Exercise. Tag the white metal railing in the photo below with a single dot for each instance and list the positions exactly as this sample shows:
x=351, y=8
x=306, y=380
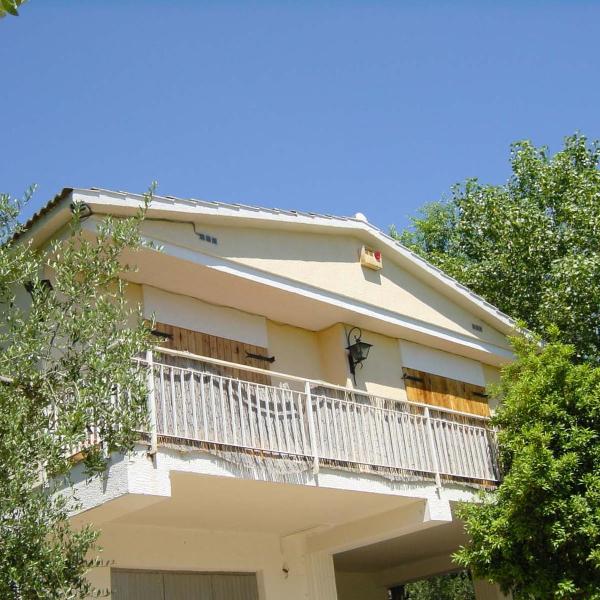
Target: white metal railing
x=192, y=400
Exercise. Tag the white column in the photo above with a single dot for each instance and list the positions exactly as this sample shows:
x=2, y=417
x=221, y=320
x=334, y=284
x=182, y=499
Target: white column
x=321, y=576
x=309, y=575
x=488, y=591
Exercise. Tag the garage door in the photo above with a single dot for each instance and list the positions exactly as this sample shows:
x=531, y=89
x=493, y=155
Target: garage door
x=152, y=585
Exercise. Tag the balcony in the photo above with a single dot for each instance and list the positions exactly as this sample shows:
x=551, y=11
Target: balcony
x=260, y=415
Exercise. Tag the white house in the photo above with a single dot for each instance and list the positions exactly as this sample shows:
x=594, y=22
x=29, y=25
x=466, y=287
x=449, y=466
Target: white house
x=271, y=471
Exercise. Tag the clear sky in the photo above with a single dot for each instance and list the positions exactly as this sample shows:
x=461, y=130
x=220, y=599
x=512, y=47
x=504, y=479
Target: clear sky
x=334, y=107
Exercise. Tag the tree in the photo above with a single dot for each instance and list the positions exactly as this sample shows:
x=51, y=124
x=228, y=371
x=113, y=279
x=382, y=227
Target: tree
x=531, y=247
x=69, y=383
x=539, y=533
x=10, y=7
x=451, y=586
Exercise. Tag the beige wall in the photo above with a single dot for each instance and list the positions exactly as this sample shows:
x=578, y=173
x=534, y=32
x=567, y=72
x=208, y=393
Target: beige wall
x=328, y=262
x=381, y=373
x=322, y=355
x=359, y=586
x=296, y=350
x=160, y=548
x=316, y=355
x=194, y=314
x=332, y=344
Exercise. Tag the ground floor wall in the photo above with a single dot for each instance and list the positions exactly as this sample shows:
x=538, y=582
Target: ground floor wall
x=283, y=568
x=171, y=549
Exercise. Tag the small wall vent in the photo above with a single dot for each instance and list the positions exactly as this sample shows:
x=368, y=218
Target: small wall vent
x=205, y=237
x=477, y=327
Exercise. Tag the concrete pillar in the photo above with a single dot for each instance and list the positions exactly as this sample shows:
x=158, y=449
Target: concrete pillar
x=488, y=591
x=310, y=575
x=321, y=576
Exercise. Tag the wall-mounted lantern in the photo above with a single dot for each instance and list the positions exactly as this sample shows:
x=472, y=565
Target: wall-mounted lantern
x=357, y=351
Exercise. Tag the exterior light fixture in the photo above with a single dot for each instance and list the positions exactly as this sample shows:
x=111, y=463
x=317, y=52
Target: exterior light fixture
x=357, y=351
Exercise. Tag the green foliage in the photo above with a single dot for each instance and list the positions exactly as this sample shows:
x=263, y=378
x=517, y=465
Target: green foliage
x=530, y=247
x=453, y=586
x=539, y=533
x=10, y=7
x=66, y=356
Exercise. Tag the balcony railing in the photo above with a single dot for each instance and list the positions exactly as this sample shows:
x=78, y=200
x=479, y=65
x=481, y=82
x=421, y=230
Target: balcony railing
x=195, y=399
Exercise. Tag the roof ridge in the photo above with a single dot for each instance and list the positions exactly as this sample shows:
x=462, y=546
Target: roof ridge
x=226, y=204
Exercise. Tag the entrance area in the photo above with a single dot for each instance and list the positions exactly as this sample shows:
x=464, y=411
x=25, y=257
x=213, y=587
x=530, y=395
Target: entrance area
x=168, y=585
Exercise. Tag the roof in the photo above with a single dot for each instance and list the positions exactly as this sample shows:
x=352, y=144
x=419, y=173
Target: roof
x=178, y=206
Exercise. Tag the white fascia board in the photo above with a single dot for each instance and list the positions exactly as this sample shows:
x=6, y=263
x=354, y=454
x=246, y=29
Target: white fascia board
x=180, y=209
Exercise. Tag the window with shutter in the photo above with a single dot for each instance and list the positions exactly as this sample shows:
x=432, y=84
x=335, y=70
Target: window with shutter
x=446, y=393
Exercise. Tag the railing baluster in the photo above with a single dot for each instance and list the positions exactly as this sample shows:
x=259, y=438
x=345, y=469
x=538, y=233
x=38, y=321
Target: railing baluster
x=285, y=420
x=261, y=424
x=214, y=435
x=305, y=448
x=250, y=416
x=151, y=402
x=432, y=449
x=204, y=407
x=163, y=399
x=223, y=412
x=315, y=449
x=359, y=434
x=173, y=400
x=232, y=410
x=278, y=437
x=193, y=401
x=183, y=401
x=241, y=409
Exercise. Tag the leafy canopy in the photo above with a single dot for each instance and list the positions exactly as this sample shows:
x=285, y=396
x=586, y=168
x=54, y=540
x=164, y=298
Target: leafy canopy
x=69, y=384
x=530, y=247
x=451, y=586
x=10, y=7
x=539, y=533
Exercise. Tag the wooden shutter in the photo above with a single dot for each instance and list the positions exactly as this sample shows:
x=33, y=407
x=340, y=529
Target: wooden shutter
x=444, y=392
x=213, y=346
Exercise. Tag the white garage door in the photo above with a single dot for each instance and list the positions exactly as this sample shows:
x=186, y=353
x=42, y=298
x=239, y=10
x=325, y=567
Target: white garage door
x=152, y=585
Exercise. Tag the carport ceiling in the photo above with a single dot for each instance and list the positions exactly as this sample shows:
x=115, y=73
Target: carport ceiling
x=435, y=541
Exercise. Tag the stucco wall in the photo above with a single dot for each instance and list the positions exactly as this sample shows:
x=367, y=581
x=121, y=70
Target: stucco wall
x=314, y=355
x=191, y=313
x=359, y=586
x=423, y=358
x=296, y=350
x=328, y=262
x=174, y=549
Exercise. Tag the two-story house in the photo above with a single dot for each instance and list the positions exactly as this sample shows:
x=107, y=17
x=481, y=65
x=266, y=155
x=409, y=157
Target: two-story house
x=317, y=409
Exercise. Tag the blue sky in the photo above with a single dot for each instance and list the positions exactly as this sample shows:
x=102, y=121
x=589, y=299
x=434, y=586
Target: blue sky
x=333, y=107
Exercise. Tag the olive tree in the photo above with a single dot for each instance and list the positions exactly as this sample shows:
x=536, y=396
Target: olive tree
x=69, y=385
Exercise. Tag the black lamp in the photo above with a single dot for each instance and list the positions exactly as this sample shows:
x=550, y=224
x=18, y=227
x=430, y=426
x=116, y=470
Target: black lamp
x=358, y=351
